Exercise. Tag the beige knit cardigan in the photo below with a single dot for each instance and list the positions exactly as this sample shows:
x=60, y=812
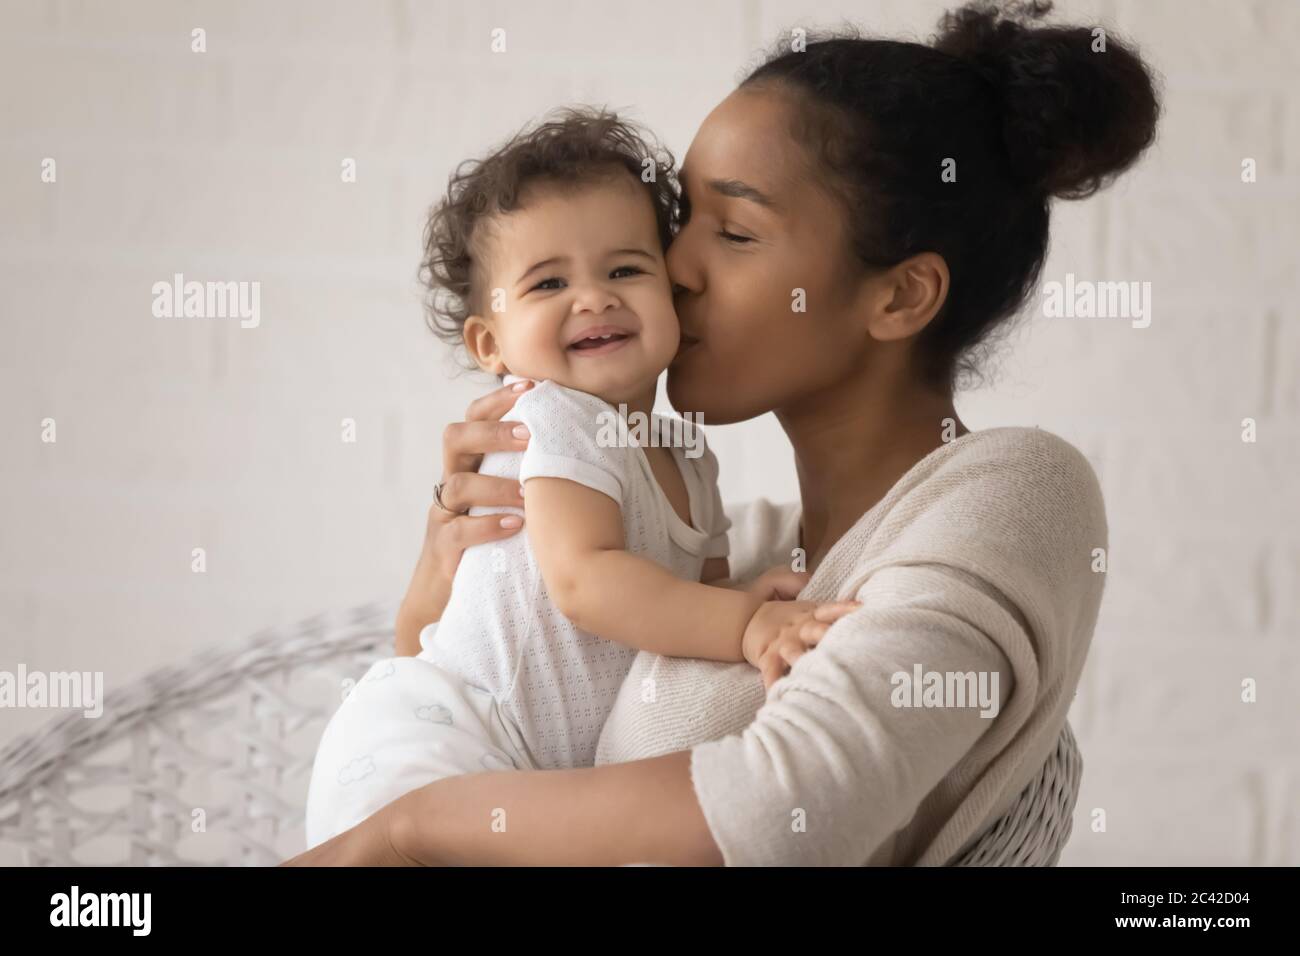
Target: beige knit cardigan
x=984, y=558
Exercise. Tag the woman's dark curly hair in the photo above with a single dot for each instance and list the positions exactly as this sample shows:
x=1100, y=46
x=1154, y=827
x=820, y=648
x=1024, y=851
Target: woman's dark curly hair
x=1027, y=112
x=572, y=147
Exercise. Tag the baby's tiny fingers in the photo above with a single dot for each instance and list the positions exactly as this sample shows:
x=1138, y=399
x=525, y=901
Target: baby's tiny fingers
x=791, y=651
x=833, y=612
x=771, y=667
x=813, y=631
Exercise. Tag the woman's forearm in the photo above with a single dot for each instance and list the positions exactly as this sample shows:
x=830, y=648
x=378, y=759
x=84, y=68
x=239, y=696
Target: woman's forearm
x=425, y=599
x=644, y=811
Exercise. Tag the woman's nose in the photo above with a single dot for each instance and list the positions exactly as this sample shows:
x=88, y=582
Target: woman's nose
x=680, y=267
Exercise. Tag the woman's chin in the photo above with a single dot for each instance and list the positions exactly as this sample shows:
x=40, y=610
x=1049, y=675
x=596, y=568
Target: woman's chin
x=692, y=389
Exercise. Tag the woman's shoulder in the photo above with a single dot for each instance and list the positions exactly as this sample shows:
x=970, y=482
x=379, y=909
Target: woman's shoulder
x=1011, y=453
x=1027, y=464
x=1011, y=496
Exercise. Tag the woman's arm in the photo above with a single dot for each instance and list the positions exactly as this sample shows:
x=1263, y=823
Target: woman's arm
x=829, y=768
x=446, y=536
x=639, y=812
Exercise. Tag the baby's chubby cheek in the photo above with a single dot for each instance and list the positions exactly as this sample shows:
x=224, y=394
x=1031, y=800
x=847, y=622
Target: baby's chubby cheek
x=531, y=349
x=663, y=331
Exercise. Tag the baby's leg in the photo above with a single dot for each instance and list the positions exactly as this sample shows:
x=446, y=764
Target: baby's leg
x=407, y=723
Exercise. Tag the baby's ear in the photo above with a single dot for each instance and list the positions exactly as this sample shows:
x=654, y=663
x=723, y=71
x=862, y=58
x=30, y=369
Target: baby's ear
x=482, y=346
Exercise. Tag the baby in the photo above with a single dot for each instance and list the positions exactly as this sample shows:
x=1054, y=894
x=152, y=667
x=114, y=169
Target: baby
x=549, y=258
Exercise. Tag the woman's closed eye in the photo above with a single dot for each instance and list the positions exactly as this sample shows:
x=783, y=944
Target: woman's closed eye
x=684, y=216
x=734, y=238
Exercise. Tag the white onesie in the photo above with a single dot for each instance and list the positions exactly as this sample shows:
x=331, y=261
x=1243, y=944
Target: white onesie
x=504, y=679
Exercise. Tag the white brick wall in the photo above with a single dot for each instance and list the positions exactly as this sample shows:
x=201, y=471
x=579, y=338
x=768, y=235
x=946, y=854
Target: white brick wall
x=175, y=434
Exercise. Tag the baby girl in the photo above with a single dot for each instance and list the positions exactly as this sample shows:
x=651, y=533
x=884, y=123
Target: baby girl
x=547, y=261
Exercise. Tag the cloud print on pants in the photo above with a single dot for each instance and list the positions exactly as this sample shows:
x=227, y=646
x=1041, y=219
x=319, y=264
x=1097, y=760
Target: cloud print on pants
x=434, y=713
x=356, y=769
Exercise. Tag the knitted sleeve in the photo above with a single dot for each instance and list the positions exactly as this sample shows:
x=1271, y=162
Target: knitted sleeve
x=831, y=766
x=978, y=603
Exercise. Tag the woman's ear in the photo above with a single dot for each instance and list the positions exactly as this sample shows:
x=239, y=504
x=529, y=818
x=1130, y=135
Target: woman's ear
x=908, y=296
x=482, y=346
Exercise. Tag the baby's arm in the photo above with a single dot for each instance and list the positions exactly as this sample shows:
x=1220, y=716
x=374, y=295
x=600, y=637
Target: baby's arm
x=577, y=535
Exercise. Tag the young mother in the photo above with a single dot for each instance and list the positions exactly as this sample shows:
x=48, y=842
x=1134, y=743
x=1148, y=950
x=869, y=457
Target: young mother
x=904, y=189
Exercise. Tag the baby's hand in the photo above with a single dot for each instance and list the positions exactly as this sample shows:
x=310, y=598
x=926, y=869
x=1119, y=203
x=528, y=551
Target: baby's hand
x=778, y=584
x=781, y=631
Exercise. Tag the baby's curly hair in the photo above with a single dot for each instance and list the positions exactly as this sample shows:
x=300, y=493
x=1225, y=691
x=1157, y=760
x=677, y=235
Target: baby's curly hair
x=572, y=147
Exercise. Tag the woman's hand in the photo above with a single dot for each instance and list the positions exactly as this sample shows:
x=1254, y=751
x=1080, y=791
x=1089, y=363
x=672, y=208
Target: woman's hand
x=780, y=632
x=446, y=536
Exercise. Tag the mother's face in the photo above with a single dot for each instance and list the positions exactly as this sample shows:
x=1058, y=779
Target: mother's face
x=756, y=231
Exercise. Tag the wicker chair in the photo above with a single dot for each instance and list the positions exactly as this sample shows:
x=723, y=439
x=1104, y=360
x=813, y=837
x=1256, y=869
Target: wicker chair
x=208, y=763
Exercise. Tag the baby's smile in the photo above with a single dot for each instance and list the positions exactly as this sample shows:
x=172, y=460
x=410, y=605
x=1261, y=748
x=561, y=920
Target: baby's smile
x=600, y=340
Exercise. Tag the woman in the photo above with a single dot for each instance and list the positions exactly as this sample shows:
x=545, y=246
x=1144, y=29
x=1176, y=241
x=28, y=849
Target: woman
x=900, y=192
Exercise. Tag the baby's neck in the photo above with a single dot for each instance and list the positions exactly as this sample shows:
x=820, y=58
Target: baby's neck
x=643, y=401
x=639, y=399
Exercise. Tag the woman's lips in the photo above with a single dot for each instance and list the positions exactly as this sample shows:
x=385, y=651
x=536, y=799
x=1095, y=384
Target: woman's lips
x=684, y=343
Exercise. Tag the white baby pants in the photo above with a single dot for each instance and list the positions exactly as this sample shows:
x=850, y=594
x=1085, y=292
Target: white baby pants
x=406, y=723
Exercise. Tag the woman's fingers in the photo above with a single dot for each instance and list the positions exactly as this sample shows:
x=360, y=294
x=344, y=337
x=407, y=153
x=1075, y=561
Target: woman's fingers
x=494, y=404
x=464, y=489
x=465, y=532
x=465, y=443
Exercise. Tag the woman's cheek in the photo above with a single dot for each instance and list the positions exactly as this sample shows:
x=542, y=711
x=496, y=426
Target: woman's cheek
x=759, y=319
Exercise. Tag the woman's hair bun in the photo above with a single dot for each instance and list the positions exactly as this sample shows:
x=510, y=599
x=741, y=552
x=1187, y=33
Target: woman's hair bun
x=1078, y=105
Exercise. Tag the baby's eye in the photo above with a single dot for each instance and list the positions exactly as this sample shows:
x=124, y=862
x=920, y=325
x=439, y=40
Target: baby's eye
x=543, y=285
x=632, y=269
x=733, y=238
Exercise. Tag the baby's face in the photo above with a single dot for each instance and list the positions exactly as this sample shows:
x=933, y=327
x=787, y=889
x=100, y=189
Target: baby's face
x=584, y=294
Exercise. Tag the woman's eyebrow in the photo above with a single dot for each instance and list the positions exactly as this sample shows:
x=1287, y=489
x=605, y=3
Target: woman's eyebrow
x=736, y=189
x=740, y=190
